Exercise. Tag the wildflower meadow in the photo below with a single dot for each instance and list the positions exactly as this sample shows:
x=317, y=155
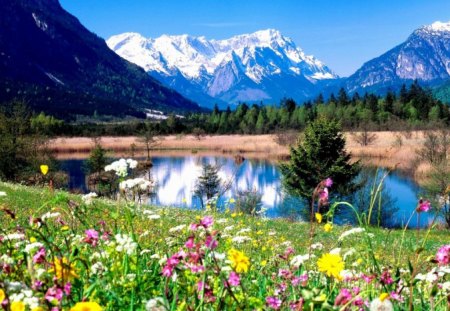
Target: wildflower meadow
x=60, y=251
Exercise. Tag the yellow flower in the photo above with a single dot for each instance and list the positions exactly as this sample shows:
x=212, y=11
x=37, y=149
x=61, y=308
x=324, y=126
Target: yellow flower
x=319, y=217
x=17, y=306
x=44, y=169
x=62, y=269
x=37, y=309
x=2, y=295
x=184, y=200
x=232, y=200
x=331, y=265
x=86, y=306
x=234, y=215
x=239, y=262
x=65, y=228
x=263, y=263
x=32, y=239
x=328, y=227
x=383, y=297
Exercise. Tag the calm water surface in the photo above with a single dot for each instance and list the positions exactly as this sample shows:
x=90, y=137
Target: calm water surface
x=176, y=178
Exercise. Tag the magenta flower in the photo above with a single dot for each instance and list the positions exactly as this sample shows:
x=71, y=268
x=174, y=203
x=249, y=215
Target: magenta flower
x=207, y=221
x=67, y=288
x=39, y=257
x=273, y=302
x=343, y=298
x=234, y=279
x=323, y=195
x=167, y=271
x=210, y=242
x=91, y=237
x=386, y=278
x=328, y=182
x=190, y=242
x=424, y=206
x=54, y=293
x=443, y=255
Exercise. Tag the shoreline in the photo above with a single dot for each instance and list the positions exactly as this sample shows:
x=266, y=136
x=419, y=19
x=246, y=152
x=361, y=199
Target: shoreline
x=390, y=149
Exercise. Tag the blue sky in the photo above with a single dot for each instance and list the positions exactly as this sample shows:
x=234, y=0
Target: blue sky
x=342, y=33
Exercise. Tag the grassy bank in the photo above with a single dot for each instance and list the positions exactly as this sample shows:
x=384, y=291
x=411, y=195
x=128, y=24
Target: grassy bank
x=120, y=255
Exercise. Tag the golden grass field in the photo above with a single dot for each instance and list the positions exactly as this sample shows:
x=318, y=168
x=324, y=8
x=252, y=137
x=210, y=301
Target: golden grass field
x=385, y=151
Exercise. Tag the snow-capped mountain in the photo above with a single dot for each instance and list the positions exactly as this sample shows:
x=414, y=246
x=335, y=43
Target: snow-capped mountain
x=424, y=56
x=262, y=66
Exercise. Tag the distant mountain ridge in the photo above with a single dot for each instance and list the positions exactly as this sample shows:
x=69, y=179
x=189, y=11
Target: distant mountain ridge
x=48, y=58
x=262, y=66
x=424, y=56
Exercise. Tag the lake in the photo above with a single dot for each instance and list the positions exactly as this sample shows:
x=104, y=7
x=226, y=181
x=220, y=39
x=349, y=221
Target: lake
x=176, y=178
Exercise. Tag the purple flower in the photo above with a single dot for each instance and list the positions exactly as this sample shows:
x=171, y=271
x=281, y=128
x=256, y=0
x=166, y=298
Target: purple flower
x=39, y=257
x=443, y=255
x=54, y=293
x=328, y=182
x=207, y=221
x=67, y=288
x=273, y=302
x=190, y=242
x=210, y=242
x=91, y=237
x=386, y=278
x=343, y=298
x=323, y=195
x=234, y=279
x=424, y=206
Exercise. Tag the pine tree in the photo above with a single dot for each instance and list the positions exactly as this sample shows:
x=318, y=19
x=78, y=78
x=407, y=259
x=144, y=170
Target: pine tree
x=321, y=154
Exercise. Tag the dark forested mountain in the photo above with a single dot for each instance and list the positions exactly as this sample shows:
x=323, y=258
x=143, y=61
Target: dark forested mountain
x=50, y=60
x=424, y=56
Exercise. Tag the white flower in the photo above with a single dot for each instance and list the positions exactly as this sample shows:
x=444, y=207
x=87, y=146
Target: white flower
x=32, y=246
x=241, y=239
x=229, y=228
x=121, y=166
x=14, y=236
x=2, y=194
x=446, y=287
x=378, y=305
x=298, y=260
x=132, y=163
x=6, y=259
x=98, y=268
x=272, y=232
x=244, y=231
x=135, y=184
x=350, y=232
x=348, y=253
x=87, y=198
x=335, y=251
x=50, y=215
x=153, y=217
x=177, y=228
x=221, y=220
x=317, y=246
x=125, y=244
x=155, y=304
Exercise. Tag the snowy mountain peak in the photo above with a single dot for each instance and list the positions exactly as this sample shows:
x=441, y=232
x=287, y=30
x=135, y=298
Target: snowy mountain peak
x=436, y=28
x=217, y=66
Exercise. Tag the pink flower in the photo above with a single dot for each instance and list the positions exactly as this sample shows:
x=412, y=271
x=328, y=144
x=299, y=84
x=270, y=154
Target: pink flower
x=343, y=298
x=386, y=278
x=210, y=242
x=39, y=257
x=91, y=237
x=207, y=221
x=190, y=242
x=443, y=255
x=273, y=302
x=67, y=288
x=234, y=279
x=54, y=293
x=323, y=195
x=328, y=182
x=167, y=271
x=424, y=206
